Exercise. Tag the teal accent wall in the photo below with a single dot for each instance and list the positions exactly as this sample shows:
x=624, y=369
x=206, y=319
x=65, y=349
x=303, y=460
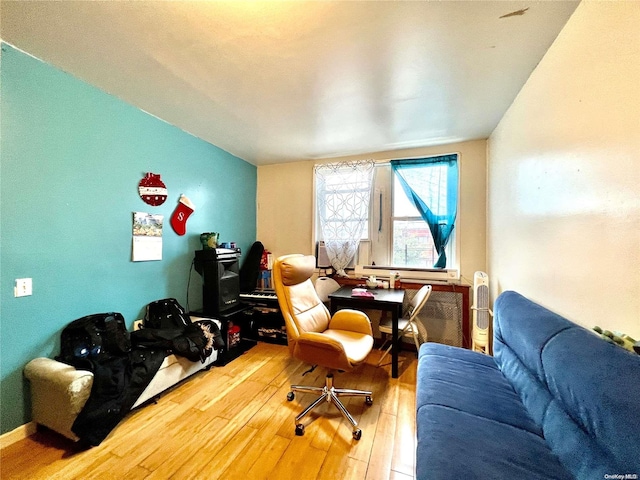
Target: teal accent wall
x=71, y=159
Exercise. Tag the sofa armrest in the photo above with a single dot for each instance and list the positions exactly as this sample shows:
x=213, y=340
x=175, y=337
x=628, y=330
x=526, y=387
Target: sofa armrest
x=58, y=393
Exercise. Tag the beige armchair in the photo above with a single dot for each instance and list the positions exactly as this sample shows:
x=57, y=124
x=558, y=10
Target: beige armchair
x=341, y=342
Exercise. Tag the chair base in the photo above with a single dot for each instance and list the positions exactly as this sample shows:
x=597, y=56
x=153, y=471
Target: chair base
x=329, y=394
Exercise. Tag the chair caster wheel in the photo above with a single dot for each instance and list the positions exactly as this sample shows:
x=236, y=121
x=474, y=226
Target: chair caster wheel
x=357, y=434
x=300, y=430
x=290, y=396
x=368, y=400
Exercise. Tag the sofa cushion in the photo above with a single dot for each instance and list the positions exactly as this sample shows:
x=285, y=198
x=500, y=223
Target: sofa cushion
x=458, y=444
x=469, y=382
x=525, y=327
x=582, y=391
x=596, y=391
x=471, y=422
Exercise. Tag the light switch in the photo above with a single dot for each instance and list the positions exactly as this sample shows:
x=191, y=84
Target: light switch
x=23, y=288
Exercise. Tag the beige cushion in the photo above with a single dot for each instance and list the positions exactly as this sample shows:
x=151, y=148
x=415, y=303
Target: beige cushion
x=58, y=393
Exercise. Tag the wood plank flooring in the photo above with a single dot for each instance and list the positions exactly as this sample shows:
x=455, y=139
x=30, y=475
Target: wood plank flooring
x=234, y=422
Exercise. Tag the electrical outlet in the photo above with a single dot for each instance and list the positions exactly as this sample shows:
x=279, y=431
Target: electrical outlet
x=23, y=288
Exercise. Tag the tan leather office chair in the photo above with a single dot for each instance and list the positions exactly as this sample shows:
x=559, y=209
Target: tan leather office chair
x=408, y=325
x=341, y=342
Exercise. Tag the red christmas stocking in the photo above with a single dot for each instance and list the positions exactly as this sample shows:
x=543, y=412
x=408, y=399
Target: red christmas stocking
x=181, y=214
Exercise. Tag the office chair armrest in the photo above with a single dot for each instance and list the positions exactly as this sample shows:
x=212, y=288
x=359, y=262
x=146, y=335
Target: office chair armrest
x=351, y=320
x=312, y=338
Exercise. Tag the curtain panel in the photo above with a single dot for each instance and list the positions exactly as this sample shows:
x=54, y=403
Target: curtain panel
x=431, y=184
x=343, y=192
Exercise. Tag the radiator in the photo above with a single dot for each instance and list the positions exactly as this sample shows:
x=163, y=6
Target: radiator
x=441, y=318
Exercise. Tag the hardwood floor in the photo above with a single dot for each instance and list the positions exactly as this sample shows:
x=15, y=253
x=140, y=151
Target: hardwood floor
x=234, y=422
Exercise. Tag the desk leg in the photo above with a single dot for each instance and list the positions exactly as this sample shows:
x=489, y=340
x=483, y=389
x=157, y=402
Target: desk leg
x=394, y=343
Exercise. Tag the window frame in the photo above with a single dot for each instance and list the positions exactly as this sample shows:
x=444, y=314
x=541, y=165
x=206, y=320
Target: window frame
x=378, y=217
x=452, y=249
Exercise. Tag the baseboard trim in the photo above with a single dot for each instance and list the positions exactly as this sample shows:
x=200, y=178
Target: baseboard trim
x=20, y=433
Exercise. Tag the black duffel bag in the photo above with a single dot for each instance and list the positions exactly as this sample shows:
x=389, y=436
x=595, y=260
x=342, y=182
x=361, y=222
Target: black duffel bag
x=166, y=314
x=86, y=339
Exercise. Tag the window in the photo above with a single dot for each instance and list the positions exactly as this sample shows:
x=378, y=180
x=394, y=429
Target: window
x=343, y=191
x=412, y=244
x=412, y=214
x=430, y=186
x=335, y=197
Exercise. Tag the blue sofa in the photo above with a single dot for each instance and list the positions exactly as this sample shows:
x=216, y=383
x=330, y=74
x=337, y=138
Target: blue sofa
x=554, y=402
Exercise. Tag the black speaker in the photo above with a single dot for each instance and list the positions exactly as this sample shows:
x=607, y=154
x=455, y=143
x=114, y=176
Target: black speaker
x=220, y=279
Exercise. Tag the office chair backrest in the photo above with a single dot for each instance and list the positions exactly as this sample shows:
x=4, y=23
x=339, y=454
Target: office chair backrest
x=302, y=309
x=419, y=300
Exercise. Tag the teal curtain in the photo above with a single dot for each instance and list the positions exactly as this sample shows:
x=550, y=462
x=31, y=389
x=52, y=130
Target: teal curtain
x=431, y=184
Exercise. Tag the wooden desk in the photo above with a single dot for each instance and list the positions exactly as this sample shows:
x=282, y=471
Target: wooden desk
x=462, y=289
x=385, y=300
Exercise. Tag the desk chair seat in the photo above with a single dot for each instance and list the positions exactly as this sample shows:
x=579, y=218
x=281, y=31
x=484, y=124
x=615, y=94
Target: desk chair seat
x=409, y=326
x=339, y=343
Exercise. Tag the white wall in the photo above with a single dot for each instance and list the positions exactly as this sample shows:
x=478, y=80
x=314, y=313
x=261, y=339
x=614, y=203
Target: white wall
x=285, y=202
x=564, y=175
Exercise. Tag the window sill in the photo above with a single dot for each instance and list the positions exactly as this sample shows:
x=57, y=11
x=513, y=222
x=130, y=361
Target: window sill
x=426, y=275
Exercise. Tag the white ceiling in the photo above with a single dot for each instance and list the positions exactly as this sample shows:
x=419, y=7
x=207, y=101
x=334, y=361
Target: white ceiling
x=278, y=81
